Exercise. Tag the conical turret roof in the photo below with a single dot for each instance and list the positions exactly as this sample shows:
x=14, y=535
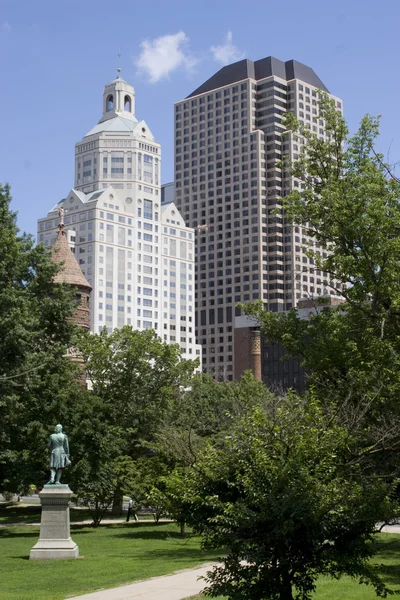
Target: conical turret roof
x=70, y=271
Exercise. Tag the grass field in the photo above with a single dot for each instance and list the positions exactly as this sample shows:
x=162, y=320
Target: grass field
x=122, y=553
x=113, y=555
x=347, y=589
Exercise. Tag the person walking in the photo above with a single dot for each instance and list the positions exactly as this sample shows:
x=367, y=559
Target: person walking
x=131, y=511
x=130, y=504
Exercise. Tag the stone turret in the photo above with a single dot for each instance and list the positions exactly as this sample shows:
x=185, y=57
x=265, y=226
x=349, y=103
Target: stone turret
x=71, y=274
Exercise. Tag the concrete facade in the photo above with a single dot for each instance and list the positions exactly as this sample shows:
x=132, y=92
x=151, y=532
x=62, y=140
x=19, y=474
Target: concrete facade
x=229, y=188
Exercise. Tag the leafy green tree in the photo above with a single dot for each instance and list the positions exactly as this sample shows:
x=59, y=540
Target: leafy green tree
x=135, y=376
x=203, y=414
x=285, y=501
x=146, y=485
x=350, y=205
x=36, y=379
x=96, y=450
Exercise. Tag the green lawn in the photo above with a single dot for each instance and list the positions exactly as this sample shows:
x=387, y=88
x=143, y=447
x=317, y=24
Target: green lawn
x=113, y=555
x=121, y=553
x=348, y=589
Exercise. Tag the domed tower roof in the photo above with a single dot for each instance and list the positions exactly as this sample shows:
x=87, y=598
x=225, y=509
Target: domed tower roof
x=118, y=100
x=118, y=108
x=70, y=271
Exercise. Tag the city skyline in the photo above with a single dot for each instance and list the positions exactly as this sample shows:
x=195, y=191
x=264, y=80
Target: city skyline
x=62, y=63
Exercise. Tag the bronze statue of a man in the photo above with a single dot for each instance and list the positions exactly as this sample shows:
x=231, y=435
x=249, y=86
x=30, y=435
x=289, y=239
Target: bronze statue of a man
x=59, y=458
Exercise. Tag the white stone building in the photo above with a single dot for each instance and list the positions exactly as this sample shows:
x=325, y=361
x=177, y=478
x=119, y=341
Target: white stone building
x=137, y=254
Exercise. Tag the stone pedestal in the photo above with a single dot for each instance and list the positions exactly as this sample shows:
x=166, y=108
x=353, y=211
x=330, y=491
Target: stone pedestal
x=55, y=540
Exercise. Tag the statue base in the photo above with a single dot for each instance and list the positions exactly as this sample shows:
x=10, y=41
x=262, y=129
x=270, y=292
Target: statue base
x=55, y=540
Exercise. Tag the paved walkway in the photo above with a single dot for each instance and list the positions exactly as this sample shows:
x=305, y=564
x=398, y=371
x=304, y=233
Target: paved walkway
x=170, y=587
x=90, y=521
x=391, y=528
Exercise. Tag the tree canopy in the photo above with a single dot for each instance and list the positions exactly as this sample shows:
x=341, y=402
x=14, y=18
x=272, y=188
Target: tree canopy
x=285, y=499
x=349, y=203
x=36, y=378
x=135, y=378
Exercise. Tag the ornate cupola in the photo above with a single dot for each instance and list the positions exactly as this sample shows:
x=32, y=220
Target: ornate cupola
x=118, y=100
x=71, y=274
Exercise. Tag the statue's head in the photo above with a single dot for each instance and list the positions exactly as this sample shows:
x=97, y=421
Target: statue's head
x=58, y=428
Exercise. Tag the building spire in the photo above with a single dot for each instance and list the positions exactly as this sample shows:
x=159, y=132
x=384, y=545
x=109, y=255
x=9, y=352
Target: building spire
x=119, y=67
x=61, y=212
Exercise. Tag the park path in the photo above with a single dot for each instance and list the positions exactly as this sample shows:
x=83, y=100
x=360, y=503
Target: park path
x=90, y=521
x=178, y=586
x=391, y=529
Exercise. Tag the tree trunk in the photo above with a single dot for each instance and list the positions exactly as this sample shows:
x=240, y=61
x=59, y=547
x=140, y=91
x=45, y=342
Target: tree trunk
x=286, y=592
x=117, y=501
x=96, y=514
x=182, y=526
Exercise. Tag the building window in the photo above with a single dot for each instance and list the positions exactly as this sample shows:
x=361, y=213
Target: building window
x=148, y=209
x=127, y=104
x=110, y=102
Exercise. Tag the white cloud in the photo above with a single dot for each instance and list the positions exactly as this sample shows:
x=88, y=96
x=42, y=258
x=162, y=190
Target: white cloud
x=227, y=52
x=161, y=56
x=6, y=27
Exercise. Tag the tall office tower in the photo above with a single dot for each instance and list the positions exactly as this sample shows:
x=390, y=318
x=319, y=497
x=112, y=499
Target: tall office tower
x=137, y=255
x=229, y=187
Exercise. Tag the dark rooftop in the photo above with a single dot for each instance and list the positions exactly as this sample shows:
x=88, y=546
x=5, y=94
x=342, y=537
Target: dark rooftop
x=260, y=69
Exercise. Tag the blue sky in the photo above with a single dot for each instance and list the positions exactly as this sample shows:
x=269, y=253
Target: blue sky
x=56, y=56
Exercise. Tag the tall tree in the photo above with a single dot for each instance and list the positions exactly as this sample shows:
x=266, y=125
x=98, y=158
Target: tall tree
x=349, y=202
x=284, y=500
x=203, y=414
x=136, y=377
x=35, y=332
